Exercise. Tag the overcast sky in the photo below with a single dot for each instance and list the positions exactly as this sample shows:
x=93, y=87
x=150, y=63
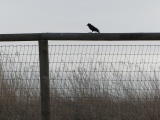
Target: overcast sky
x=27, y=16
x=34, y=16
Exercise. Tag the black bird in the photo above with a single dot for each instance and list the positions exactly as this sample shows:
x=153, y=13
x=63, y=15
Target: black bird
x=91, y=27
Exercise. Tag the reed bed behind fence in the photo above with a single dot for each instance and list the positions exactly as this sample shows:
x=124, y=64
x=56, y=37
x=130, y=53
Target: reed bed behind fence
x=87, y=82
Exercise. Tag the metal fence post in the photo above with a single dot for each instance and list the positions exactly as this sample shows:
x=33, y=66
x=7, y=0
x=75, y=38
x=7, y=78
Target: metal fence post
x=44, y=79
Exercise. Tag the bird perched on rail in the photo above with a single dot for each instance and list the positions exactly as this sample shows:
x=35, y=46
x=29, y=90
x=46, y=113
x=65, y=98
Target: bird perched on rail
x=91, y=27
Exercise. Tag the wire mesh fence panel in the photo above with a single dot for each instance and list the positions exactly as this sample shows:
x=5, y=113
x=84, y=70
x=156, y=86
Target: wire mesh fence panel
x=87, y=82
x=19, y=83
x=105, y=82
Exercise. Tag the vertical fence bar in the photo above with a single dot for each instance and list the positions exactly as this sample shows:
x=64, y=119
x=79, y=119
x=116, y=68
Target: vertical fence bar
x=44, y=79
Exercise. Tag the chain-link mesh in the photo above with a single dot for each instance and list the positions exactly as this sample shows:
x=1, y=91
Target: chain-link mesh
x=87, y=82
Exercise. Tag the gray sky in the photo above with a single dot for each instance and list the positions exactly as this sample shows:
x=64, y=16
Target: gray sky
x=34, y=16
x=27, y=16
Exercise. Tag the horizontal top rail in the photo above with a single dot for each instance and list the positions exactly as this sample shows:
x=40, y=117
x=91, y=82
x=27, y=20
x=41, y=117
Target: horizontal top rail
x=80, y=36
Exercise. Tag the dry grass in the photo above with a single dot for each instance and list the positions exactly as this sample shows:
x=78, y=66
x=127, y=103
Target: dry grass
x=82, y=96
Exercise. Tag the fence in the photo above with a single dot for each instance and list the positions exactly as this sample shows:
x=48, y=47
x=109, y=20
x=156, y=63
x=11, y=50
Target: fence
x=79, y=82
